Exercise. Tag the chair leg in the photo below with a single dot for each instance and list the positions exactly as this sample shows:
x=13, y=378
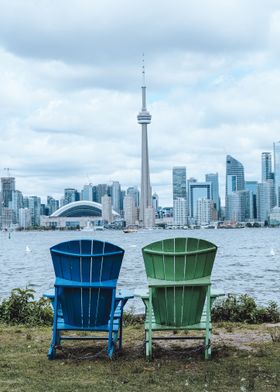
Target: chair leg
x=120, y=334
x=207, y=344
x=148, y=345
x=54, y=342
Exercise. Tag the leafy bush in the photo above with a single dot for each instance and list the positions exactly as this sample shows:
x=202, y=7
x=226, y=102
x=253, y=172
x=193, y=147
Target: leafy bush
x=22, y=308
x=243, y=308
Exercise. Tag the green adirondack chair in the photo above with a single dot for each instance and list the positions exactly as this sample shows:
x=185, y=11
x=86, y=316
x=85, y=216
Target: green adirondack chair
x=179, y=298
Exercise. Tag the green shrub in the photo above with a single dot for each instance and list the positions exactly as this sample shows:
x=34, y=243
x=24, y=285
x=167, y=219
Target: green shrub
x=243, y=308
x=22, y=308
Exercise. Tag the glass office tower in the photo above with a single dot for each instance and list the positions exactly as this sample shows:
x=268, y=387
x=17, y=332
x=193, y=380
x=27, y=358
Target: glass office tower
x=235, y=181
x=179, y=181
x=276, y=150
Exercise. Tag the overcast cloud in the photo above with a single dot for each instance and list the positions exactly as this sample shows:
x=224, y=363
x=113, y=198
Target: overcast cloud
x=70, y=77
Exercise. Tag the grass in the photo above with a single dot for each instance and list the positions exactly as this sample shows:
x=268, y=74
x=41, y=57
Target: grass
x=24, y=365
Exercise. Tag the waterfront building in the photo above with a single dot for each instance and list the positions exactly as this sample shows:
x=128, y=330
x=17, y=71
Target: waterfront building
x=274, y=216
x=15, y=204
x=70, y=195
x=116, y=196
x=180, y=211
x=123, y=193
x=25, y=202
x=87, y=192
x=266, y=166
x=179, y=182
x=52, y=204
x=44, y=209
x=206, y=211
x=155, y=201
x=76, y=214
x=106, y=208
x=238, y=206
x=24, y=218
x=197, y=190
x=235, y=181
x=134, y=192
x=149, y=217
x=130, y=211
x=276, y=151
x=8, y=186
x=252, y=187
x=6, y=218
x=34, y=205
x=101, y=190
x=146, y=216
x=215, y=196
x=265, y=200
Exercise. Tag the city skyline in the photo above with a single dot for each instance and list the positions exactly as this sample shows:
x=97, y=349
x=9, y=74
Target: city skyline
x=206, y=177
x=68, y=106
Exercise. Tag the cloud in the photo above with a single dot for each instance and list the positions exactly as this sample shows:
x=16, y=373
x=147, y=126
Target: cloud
x=70, y=75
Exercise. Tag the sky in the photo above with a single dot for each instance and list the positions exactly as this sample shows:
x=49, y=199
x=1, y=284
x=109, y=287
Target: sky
x=70, y=77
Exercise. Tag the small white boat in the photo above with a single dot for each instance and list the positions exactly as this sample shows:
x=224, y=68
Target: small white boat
x=27, y=249
x=272, y=253
x=130, y=230
x=98, y=228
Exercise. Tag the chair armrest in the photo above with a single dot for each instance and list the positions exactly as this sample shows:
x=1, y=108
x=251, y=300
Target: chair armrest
x=124, y=294
x=141, y=293
x=214, y=296
x=50, y=296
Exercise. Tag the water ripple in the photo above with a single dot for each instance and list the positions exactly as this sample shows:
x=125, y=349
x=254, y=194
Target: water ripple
x=241, y=266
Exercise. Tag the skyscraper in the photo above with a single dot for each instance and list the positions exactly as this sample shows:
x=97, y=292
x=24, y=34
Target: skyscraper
x=180, y=210
x=276, y=150
x=265, y=200
x=107, y=208
x=179, y=182
x=133, y=191
x=130, y=212
x=234, y=181
x=197, y=190
x=146, y=210
x=238, y=206
x=35, y=209
x=205, y=211
x=214, y=179
x=7, y=189
x=252, y=187
x=70, y=195
x=266, y=166
x=116, y=196
x=86, y=192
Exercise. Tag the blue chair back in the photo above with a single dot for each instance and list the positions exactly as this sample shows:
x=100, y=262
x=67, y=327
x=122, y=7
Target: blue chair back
x=86, y=261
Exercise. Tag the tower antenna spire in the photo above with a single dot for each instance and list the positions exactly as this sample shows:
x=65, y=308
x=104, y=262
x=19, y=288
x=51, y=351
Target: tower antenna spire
x=143, y=70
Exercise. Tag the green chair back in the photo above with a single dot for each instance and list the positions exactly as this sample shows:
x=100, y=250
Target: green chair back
x=178, y=260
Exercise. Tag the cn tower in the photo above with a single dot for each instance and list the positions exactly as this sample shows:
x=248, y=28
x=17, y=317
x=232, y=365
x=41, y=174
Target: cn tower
x=146, y=216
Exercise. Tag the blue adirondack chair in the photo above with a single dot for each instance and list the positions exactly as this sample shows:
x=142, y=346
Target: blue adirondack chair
x=86, y=298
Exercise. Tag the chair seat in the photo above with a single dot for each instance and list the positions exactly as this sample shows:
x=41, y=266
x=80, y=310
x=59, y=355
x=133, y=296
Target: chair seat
x=100, y=328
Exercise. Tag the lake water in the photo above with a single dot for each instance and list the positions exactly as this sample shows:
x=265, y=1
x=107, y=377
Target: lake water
x=248, y=260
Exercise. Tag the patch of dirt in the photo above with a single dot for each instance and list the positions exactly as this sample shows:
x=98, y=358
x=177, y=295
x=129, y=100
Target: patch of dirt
x=241, y=339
